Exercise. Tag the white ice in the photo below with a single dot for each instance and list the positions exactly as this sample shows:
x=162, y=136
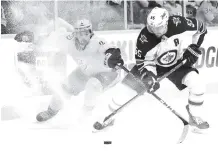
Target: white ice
x=144, y=124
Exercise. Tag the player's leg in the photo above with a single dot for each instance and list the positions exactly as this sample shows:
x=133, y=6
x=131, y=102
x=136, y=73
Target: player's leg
x=95, y=86
x=73, y=85
x=93, y=89
x=120, y=94
x=189, y=77
x=128, y=88
x=196, y=88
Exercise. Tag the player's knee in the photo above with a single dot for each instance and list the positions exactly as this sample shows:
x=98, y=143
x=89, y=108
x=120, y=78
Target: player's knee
x=120, y=97
x=94, y=84
x=196, y=94
x=196, y=88
x=93, y=89
x=70, y=90
x=196, y=84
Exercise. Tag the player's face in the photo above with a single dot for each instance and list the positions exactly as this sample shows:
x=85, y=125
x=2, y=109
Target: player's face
x=159, y=31
x=83, y=37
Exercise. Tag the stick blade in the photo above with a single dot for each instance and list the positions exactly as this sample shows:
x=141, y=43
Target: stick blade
x=184, y=133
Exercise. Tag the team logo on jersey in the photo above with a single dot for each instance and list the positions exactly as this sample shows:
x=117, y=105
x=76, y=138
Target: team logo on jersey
x=167, y=58
x=143, y=39
x=176, y=20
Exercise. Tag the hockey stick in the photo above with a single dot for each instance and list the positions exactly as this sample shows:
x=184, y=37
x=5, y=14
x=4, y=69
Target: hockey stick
x=100, y=126
x=186, y=124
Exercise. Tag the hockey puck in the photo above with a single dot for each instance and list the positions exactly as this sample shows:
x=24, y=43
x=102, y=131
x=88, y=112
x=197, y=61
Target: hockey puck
x=107, y=142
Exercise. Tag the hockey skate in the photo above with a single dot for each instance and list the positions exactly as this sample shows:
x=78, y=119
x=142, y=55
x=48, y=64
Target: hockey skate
x=46, y=115
x=196, y=122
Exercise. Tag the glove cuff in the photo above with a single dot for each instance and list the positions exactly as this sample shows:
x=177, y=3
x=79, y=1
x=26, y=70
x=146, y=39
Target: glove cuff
x=193, y=52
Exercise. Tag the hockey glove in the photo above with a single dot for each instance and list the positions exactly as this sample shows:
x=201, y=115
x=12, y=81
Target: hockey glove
x=113, y=57
x=191, y=54
x=150, y=80
x=26, y=36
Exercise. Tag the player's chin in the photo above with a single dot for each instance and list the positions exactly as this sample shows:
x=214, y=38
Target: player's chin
x=158, y=35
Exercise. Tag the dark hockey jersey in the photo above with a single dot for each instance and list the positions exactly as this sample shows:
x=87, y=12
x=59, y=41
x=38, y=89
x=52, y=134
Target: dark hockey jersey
x=167, y=50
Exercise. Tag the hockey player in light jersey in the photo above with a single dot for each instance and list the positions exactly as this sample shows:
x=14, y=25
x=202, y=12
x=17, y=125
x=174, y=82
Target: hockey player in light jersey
x=162, y=45
x=96, y=71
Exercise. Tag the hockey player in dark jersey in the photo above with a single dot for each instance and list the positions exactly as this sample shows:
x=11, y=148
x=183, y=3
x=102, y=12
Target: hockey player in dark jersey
x=161, y=45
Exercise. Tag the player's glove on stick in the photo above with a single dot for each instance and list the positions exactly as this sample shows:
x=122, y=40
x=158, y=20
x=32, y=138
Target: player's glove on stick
x=150, y=80
x=113, y=57
x=191, y=54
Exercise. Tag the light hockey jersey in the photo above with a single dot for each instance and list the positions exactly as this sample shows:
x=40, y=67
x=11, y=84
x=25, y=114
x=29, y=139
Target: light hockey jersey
x=167, y=50
x=91, y=59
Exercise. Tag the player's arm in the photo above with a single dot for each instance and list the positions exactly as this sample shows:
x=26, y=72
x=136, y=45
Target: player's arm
x=145, y=54
x=192, y=52
x=198, y=27
x=145, y=67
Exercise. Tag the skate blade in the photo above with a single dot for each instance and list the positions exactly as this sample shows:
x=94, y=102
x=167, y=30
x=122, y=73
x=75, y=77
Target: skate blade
x=196, y=130
x=105, y=129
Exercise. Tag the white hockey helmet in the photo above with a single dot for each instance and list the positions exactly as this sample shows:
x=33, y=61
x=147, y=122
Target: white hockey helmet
x=157, y=21
x=83, y=25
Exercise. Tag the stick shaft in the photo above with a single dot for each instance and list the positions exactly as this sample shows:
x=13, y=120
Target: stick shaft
x=136, y=96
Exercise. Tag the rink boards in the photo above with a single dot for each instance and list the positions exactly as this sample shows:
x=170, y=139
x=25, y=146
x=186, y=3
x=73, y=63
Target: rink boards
x=126, y=40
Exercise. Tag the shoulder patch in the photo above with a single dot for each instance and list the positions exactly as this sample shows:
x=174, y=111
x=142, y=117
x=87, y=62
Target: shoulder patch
x=143, y=38
x=189, y=22
x=176, y=21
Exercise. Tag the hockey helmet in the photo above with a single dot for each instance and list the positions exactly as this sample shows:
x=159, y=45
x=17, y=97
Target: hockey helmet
x=83, y=25
x=157, y=21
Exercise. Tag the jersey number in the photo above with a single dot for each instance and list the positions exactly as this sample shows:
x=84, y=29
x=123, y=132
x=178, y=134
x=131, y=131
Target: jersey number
x=138, y=53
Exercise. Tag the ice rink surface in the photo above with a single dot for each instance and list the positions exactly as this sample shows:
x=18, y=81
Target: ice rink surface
x=144, y=125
